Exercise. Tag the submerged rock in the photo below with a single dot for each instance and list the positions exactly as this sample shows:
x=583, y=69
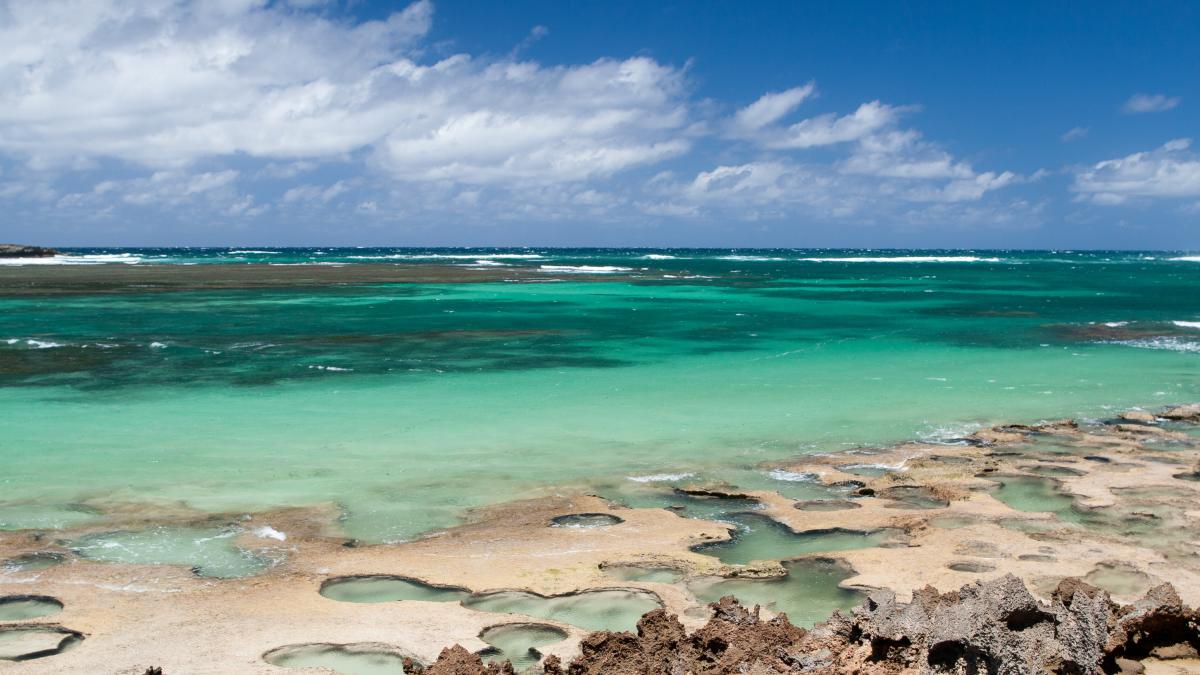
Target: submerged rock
x=996, y=626
x=19, y=251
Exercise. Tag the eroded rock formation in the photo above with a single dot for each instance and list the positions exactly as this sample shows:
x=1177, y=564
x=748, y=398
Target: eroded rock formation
x=996, y=627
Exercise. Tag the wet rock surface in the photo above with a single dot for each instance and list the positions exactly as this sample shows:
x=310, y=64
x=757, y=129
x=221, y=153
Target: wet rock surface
x=996, y=626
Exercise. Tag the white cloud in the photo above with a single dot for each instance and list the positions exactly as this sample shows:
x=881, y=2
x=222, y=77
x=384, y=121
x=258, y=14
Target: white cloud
x=1074, y=134
x=828, y=129
x=315, y=193
x=770, y=107
x=902, y=154
x=1148, y=103
x=780, y=188
x=169, y=189
x=164, y=83
x=232, y=107
x=881, y=166
x=1168, y=171
x=522, y=122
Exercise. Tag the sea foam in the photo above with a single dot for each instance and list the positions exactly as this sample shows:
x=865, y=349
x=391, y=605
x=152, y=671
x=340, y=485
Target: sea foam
x=749, y=258
x=1163, y=343
x=660, y=477
x=793, y=476
x=907, y=259
x=94, y=259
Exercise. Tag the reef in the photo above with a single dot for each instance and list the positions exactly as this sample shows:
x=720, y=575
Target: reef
x=996, y=626
x=21, y=251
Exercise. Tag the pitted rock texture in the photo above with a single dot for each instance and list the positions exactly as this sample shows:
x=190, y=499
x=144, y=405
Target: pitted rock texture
x=995, y=627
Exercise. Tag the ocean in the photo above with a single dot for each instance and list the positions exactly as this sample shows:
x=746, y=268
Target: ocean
x=316, y=377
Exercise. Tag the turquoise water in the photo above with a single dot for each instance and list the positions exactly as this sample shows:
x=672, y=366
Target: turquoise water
x=405, y=404
x=808, y=593
x=23, y=607
x=519, y=642
x=609, y=609
x=761, y=538
x=343, y=659
x=388, y=589
x=210, y=552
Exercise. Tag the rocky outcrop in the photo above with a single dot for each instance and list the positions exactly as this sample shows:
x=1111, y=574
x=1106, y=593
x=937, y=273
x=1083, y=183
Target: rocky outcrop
x=1183, y=413
x=19, y=251
x=455, y=661
x=995, y=627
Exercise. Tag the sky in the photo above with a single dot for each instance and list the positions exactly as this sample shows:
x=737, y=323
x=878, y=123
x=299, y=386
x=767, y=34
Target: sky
x=616, y=123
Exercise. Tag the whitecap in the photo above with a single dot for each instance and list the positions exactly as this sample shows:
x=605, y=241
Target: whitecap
x=793, y=476
x=584, y=269
x=1162, y=343
x=334, y=369
x=907, y=259
x=158, y=345
x=43, y=344
x=268, y=532
x=659, y=256
x=749, y=258
x=251, y=250
x=660, y=477
x=1187, y=324
x=489, y=263
x=1188, y=258
x=949, y=434
x=448, y=256
x=1116, y=324
x=93, y=259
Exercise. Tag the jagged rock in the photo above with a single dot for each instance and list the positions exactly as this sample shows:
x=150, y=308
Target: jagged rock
x=458, y=661
x=734, y=640
x=996, y=627
x=19, y=251
x=1137, y=416
x=1157, y=621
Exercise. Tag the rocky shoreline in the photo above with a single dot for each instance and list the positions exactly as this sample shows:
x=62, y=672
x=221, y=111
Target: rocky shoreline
x=1060, y=536
x=995, y=626
x=22, y=251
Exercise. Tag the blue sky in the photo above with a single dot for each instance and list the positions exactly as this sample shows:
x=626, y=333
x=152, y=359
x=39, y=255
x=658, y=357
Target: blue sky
x=164, y=122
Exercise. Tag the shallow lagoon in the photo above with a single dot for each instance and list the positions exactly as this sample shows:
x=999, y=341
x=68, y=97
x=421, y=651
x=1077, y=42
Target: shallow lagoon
x=408, y=403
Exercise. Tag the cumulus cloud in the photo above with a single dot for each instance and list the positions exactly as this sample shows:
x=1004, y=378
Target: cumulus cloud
x=1149, y=103
x=879, y=168
x=166, y=83
x=520, y=121
x=1170, y=171
x=238, y=107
